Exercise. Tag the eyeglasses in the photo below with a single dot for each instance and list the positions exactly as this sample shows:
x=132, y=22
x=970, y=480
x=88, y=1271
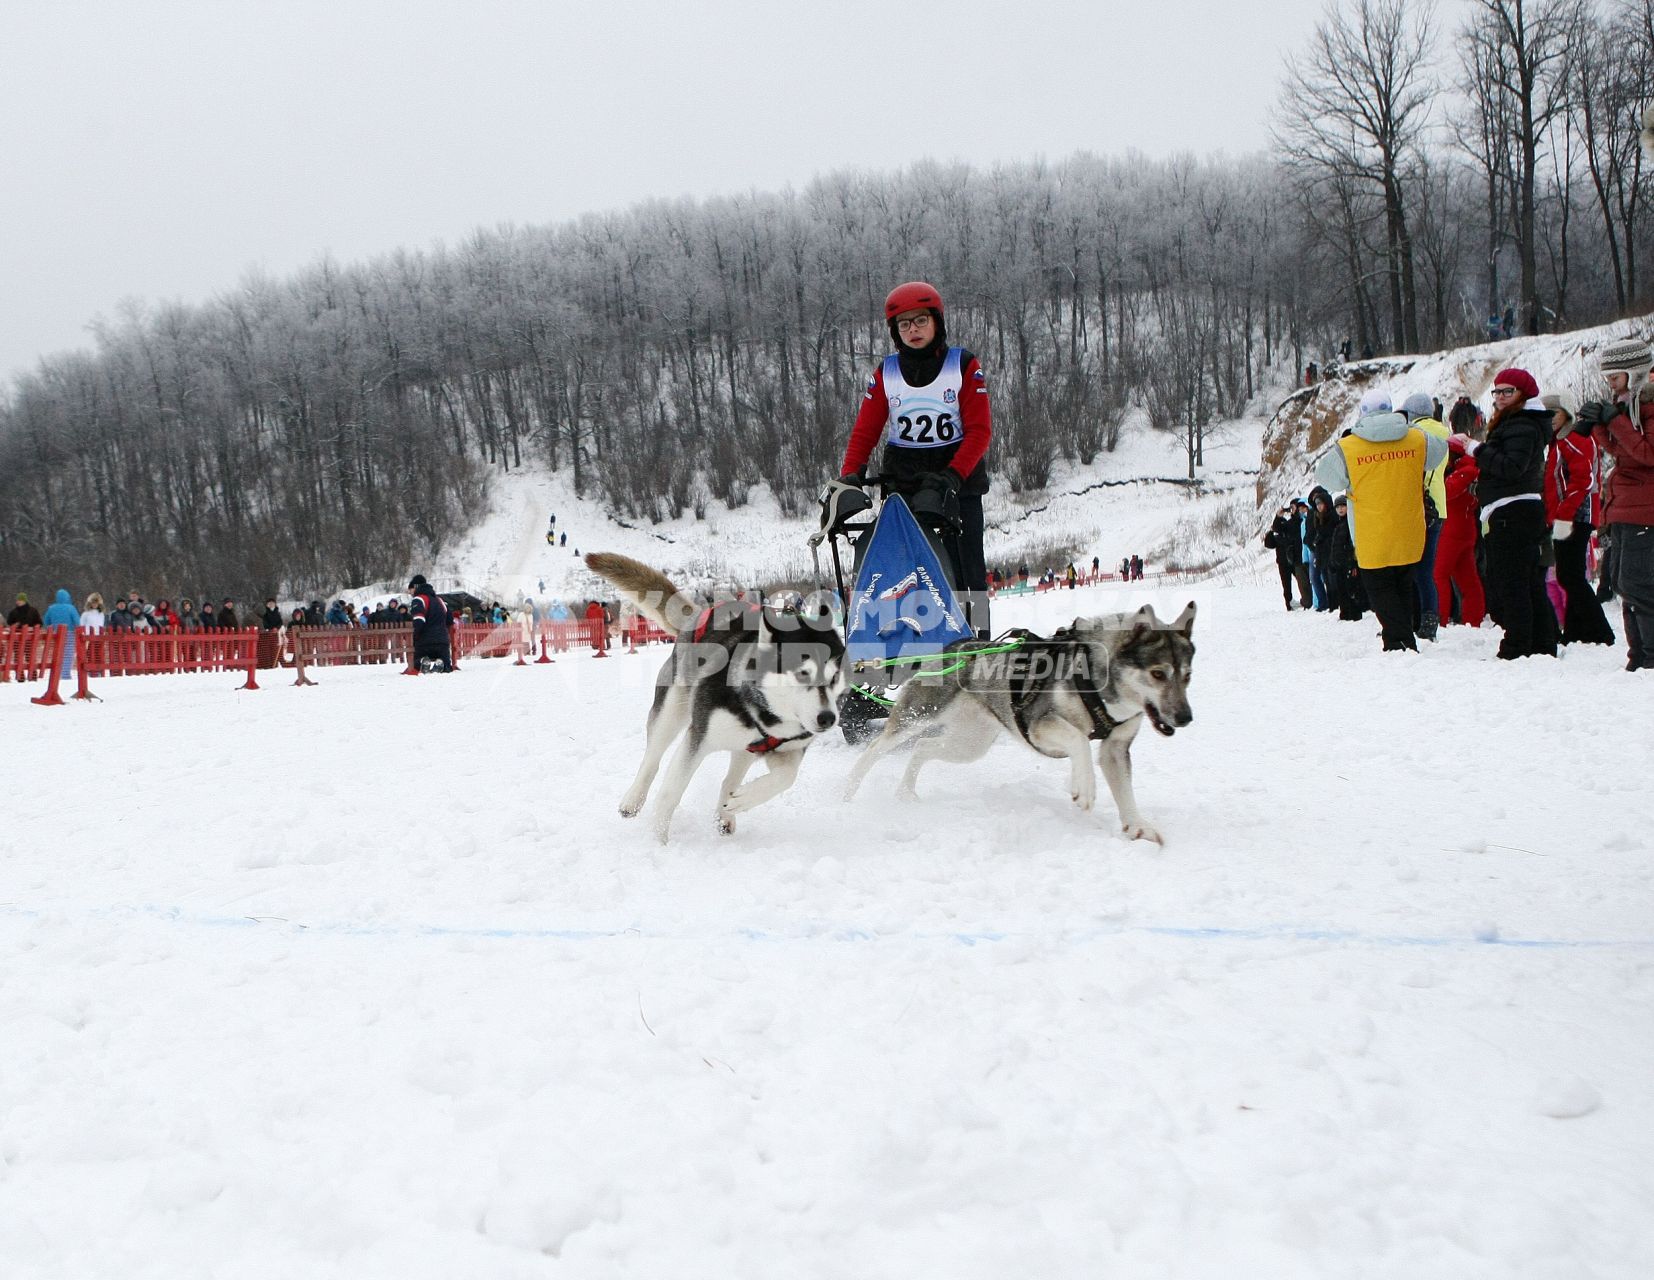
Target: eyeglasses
x=1505, y=391
x=907, y=326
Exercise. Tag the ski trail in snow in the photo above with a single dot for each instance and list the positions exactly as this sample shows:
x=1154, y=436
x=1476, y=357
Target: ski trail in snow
x=820, y=931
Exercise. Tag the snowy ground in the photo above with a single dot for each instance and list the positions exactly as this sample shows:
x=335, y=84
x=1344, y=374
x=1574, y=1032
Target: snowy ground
x=370, y=980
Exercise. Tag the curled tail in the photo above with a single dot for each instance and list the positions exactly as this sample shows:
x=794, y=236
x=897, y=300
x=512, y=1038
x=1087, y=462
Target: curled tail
x=648, y=589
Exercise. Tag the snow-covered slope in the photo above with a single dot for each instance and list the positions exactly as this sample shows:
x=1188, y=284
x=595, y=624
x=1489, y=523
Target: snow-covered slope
x=1131, y=501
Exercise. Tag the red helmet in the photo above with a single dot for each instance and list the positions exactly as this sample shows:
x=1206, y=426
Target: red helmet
x=915, y=295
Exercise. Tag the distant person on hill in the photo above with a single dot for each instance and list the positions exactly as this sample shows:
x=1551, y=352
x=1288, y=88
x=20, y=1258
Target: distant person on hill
x=1515, y=536
x=227, y=618
x=1623, y=426
x=91, y=617
x=120, y=617
x=271, y=619
x=1381, y=463
x=927, y=404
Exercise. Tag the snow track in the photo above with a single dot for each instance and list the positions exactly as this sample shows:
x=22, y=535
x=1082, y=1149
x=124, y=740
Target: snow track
x=371, y=980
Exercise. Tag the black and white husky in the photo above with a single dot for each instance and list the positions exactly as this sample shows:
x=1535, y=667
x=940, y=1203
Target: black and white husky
x=1098, y=679
x=754, y=681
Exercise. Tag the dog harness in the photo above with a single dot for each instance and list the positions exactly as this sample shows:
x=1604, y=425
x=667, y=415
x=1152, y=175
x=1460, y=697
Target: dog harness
x=1102, y=724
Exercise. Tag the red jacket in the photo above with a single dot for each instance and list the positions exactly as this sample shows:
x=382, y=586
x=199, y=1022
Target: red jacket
x=1572, y=483
x=1462, y=507
x=974, y=418
x=1628, y=496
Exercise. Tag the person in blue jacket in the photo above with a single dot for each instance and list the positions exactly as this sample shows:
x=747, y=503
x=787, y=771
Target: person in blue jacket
x=62, y=613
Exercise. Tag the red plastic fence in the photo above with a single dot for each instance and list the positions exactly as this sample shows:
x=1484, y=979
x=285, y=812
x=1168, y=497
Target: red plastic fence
x=34, y=653
x=382, y=645
x=572, y=633
x=487, y=640
x=131, y=653
x=26, y=652
x=639, y=630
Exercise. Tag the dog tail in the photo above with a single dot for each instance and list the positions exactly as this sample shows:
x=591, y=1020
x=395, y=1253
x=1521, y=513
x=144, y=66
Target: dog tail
x=650, y=590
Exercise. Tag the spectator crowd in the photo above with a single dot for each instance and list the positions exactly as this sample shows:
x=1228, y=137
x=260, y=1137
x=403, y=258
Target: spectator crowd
x=1429, y=522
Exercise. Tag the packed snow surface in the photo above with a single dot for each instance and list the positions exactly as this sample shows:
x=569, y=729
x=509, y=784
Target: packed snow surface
x=371, y=980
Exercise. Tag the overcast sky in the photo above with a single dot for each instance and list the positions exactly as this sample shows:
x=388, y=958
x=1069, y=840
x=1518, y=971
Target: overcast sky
x=156, y=149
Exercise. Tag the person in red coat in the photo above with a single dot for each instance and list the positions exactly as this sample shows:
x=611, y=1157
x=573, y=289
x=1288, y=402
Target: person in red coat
x=1623, y=426
x=597, y=619
x=1572, y=473
x=1456, y=547
x=927, y=403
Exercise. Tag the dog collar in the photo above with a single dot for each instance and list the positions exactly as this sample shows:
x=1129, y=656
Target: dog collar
x=769, y=742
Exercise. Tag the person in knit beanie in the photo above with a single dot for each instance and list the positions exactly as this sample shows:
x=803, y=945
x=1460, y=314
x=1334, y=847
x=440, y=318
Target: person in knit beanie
x=1623, y=425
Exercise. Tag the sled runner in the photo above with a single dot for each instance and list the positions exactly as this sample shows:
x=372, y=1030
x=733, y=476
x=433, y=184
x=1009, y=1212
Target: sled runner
x=902, y=610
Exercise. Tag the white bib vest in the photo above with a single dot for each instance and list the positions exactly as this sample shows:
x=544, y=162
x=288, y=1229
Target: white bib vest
x=924, y=417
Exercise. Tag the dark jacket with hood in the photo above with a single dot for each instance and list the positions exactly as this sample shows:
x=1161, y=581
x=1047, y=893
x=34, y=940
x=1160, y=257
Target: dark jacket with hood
x=1287, y=539
x=1323, y=523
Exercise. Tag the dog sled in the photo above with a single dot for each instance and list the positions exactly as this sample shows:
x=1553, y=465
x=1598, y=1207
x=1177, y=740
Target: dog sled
x=902, y=609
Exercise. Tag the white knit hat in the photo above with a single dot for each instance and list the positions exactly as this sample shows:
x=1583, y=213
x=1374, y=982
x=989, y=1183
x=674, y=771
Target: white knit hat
x=1376, y=402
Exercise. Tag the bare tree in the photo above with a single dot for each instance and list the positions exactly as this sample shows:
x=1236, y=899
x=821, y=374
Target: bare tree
x=1356, y=105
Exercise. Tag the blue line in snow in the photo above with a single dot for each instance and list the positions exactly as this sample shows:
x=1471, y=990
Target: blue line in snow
x=826, y=933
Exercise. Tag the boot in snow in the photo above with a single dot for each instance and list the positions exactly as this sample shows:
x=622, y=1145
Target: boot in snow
x=1428, y=625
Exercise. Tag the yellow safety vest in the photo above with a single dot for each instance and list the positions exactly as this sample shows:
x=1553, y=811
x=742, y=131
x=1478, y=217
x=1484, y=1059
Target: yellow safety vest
x=1386, y=498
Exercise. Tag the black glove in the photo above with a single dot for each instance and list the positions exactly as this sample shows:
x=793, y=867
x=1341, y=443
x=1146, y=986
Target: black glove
x=857, y=478
x=936, y=504
x=1593, y=413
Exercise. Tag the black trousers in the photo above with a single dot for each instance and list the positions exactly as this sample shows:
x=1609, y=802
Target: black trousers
x=1584, y=621
x=1284, y=568
x=1634, y=581
x=1390, y=592
x=1514, y=550
x=970, y=563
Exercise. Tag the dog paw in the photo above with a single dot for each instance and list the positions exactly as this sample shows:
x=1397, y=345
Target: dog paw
x=631, y=804
x=1084, y=799
x=726, y=824
x=1142, y=831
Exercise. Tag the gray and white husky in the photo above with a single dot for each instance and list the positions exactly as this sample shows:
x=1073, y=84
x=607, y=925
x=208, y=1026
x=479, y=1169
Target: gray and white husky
x=757, y=682
x=1097, y=679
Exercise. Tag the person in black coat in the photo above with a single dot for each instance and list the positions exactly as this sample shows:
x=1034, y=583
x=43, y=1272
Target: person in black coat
x=1343, y=574
x=1285, y=537
x=1323, y=526
x=1515, y=533
x=429, y=613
